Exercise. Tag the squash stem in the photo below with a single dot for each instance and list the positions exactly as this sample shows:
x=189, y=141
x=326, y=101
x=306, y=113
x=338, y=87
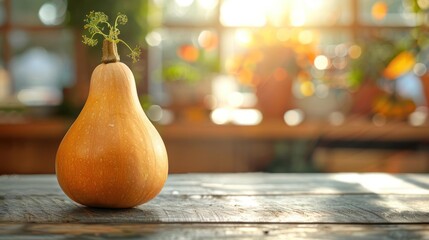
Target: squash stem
x=110, y=52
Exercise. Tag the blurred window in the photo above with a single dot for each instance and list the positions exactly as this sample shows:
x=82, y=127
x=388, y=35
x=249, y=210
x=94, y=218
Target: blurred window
x=36, y=59
x=328, y=39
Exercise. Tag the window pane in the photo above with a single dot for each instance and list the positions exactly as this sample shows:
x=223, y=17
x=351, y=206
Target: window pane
x=256, y=13
x=316, y=60
x=183, y=55
x=387, y=12
x=38, y=12
x=195, y=12
x=41, y=65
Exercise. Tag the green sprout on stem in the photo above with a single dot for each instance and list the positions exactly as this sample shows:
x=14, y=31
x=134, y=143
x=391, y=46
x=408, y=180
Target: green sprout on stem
x=96, y=22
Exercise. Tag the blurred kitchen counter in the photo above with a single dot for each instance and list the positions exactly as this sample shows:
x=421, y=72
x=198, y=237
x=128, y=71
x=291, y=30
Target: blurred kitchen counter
x=30, y=146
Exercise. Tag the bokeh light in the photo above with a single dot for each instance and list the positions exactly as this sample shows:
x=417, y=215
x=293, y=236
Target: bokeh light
x=420, y=69
x=307, y=88
x=159, y=115
x=208, y=40
x=418, y=117
x=423, y=4
x=188, y=53
x=321, y=62
x=379, y=10
x=53, y=12
x=154, y=113
x=153, y=39
x=220, y=116
x=355, y=51
x=246, y=117
x=294, y=117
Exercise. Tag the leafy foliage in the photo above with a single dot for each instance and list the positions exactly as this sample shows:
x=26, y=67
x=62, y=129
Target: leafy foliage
x=95, y=24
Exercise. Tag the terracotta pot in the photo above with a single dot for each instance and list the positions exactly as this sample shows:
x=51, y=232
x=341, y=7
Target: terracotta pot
x=275, y=97
x=364, y=97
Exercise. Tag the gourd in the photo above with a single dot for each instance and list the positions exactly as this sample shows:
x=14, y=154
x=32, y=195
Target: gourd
x=112, y=156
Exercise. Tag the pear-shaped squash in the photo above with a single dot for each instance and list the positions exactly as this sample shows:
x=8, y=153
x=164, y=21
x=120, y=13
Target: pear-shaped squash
x=112, y=156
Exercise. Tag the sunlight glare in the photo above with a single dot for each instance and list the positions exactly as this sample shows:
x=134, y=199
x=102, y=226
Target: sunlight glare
x=220, y=116
x=208, y=4
x=234, y=13
x=184, y=3
x=298, y=17
x=235, y=99
x=306, y=37
x=246, y=117
x=244, y=37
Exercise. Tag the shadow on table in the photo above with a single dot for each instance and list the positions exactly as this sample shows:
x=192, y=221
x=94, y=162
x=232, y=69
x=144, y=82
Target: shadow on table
x=104, y=215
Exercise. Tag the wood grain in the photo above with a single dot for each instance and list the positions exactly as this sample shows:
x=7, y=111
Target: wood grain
x=248, y=184
x=235, y=198
x=225, y=209
x=213, y=231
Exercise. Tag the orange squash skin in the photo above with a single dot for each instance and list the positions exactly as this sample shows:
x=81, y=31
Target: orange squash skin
x=112, y=156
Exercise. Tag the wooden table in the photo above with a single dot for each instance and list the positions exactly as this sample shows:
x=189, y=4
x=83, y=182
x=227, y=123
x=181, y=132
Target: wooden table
x=212, y=206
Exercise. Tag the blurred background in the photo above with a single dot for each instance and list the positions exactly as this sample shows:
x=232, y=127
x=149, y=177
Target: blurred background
x=231, y=85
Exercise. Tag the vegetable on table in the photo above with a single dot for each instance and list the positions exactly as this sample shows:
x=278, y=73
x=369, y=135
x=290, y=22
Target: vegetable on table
x=112, y=156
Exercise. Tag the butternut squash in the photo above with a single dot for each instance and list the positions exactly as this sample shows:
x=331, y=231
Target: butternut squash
x=112, y=156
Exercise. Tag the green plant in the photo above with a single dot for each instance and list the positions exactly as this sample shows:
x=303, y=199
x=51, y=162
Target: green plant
x=96, y=22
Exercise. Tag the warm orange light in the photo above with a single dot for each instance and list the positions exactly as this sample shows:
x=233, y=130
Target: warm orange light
x=188, y=53
x=400, y=65
x=243, y=37
x=306, y=37
x=307, y=88
x=245, y=76
x=379, y=10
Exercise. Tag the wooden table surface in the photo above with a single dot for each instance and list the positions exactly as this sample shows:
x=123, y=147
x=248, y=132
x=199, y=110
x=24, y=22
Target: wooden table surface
x=213, y=206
